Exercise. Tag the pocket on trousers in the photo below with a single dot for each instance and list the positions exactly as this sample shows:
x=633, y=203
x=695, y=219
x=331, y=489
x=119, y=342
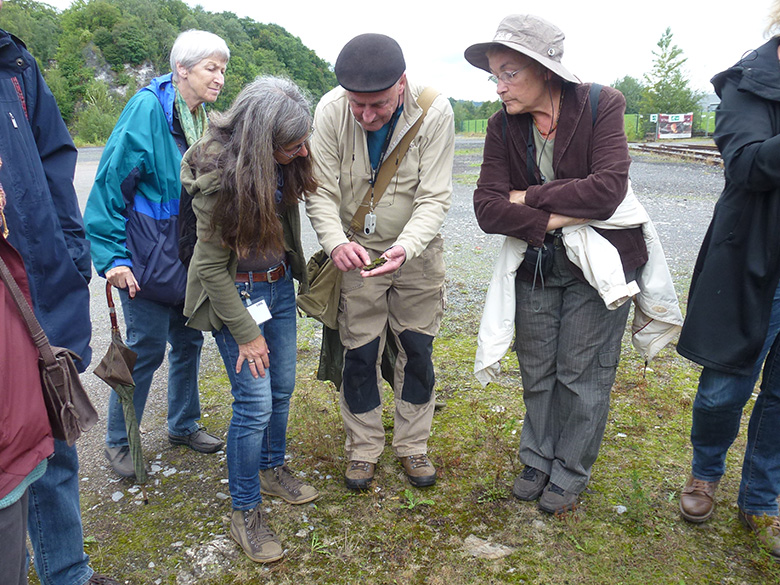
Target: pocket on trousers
x=433, y=260
x=608, y=363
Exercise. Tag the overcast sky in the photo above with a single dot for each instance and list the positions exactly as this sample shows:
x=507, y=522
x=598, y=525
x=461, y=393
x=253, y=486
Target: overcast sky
x=605, y=39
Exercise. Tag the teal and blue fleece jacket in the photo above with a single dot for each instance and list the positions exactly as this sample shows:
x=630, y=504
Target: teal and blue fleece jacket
x=132, y=215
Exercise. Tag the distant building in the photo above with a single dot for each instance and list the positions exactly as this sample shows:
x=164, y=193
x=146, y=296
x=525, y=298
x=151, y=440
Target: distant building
x=709, y=102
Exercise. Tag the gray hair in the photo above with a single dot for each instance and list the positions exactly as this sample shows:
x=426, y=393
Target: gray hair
x=268, y=113
x=192, y=46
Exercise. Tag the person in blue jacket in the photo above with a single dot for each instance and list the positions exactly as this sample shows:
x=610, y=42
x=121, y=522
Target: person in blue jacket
x=44, y=224
x=132, y=222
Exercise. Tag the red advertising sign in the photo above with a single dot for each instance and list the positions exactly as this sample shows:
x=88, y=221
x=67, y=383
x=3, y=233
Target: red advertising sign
x=675, y=125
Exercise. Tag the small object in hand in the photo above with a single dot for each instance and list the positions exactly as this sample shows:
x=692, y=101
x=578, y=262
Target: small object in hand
x=375, y=264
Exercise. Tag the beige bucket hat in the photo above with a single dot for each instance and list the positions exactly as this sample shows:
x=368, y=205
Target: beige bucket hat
x=530, y=35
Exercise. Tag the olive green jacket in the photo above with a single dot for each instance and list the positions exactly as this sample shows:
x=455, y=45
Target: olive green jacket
x=211, y=300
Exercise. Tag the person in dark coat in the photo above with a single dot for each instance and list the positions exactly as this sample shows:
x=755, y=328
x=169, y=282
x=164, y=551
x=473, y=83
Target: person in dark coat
x=45, y=226
x=733, y=318
x=26, y=440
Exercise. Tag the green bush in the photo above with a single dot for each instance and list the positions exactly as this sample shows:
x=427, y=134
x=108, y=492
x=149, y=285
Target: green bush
x=96, y=120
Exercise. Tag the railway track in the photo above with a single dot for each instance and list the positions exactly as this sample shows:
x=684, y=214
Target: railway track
x=707, y=153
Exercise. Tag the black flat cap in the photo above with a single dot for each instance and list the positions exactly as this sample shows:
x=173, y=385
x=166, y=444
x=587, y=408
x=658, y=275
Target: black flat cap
x=370, y=63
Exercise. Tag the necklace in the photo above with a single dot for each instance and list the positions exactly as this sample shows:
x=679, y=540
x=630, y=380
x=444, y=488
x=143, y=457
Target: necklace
x=557, y=117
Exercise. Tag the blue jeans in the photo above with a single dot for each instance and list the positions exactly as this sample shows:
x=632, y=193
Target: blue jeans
x=54, y=521
x=150, y=327
x=716, y=417
x=257, y=436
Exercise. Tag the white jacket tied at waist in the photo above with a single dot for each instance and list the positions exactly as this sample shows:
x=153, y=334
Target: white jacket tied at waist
x=657, y=316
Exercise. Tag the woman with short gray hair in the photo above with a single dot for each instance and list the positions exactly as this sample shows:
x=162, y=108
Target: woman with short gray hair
x=193, y=46
x=247, y=177
x=133, y=218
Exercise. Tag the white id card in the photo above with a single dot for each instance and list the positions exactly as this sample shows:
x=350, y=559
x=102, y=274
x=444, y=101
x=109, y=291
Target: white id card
x=259, y=311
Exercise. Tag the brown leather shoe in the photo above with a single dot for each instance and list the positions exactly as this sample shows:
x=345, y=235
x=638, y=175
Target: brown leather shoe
x=419, y=470
x=697, y=500
x=766, y=529
x=359, y=474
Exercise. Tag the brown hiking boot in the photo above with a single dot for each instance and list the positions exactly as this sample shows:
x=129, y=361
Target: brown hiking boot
x=248, y=529
x=359, y=474
x=697, y=500
x=419, y=470
x=766, y=529
x=280, y=482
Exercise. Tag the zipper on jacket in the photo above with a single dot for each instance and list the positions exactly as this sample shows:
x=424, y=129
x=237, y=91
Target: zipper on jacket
x=13, y=120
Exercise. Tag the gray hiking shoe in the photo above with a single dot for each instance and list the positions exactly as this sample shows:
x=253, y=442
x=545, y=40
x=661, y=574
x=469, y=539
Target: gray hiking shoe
x=248, y=528
x=280, y=482
x=556, y=500
x=120, y=460
x=529, y=484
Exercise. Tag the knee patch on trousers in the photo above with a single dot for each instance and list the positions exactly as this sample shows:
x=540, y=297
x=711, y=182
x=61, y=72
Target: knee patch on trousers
x=418, y=371
x=359, y=381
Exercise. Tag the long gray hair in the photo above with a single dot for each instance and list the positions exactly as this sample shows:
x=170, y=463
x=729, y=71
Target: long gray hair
x=268, y=114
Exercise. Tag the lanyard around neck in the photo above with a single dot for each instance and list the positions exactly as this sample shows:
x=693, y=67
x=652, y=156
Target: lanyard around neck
x=375, y=171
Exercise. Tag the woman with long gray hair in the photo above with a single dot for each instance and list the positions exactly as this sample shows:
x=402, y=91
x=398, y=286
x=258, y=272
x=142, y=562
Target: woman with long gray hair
x=246, y=177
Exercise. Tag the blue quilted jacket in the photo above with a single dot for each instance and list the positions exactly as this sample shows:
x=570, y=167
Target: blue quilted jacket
x=42, y=209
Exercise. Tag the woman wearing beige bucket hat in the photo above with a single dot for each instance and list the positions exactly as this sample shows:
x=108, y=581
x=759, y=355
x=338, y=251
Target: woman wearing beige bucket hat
x=555, y=155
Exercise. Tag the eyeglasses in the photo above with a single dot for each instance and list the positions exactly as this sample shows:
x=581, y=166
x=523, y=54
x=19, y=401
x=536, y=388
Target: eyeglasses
x=508, y=76
x=294, y=153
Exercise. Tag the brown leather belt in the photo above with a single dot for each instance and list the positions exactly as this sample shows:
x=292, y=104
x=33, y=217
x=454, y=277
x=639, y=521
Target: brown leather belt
x=272, y=275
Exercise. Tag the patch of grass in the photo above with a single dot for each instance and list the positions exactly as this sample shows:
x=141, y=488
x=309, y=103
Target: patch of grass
x=465, y=178
x=413, y=500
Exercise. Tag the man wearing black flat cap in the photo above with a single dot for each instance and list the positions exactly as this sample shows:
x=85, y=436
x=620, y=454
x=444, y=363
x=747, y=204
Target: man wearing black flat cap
x=359, y=125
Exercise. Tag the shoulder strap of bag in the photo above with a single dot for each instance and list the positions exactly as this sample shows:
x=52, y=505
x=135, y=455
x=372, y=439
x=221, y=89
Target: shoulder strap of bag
x=36, y=332
x=595, y=92
x=392, y=162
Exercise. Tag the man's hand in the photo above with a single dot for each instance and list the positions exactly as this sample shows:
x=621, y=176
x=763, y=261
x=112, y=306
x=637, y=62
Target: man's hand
x=349, y=256
x=395, y=257
x=122, y=277
x=256, y=354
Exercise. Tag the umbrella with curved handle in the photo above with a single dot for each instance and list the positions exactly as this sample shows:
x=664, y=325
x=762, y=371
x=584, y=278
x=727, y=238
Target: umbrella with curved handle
x=116, y=370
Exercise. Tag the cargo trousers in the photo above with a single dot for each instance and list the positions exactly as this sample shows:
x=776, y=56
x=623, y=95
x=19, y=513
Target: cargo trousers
x=409, y=305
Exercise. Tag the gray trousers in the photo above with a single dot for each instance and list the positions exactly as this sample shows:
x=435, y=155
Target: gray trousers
x=568, y=346
x=13, y=552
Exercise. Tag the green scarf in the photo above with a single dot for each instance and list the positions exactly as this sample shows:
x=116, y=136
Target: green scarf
x=193, y=123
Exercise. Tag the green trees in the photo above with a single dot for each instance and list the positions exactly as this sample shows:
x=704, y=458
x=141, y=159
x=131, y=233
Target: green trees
x=93, y=52
x=468, y=110
x=667, y=89
x=633, y=91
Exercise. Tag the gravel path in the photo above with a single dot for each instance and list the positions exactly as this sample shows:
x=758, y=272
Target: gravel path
x=678, y=195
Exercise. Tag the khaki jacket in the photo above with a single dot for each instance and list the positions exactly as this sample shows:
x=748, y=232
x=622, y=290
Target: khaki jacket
x=212, y=300
x=413, y=207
